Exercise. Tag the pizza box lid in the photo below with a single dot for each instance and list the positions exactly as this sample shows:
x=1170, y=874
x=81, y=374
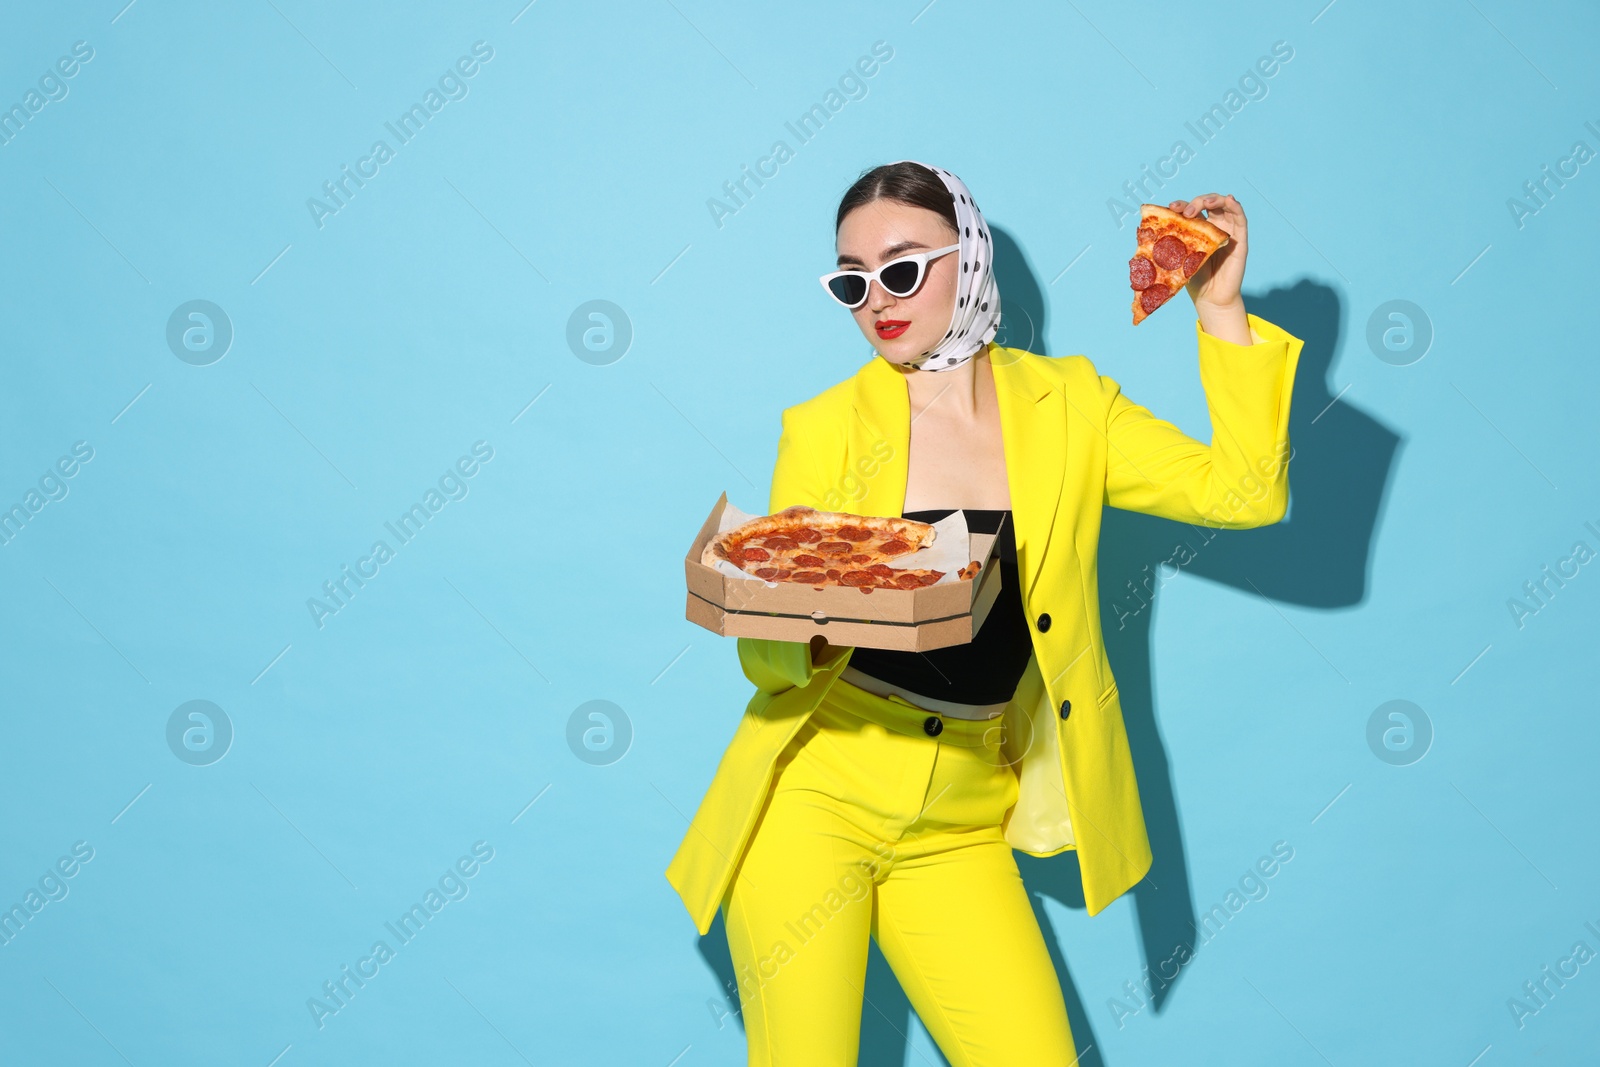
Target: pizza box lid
x=909, y=620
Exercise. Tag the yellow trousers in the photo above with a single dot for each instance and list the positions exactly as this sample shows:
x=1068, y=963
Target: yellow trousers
x=883, y=821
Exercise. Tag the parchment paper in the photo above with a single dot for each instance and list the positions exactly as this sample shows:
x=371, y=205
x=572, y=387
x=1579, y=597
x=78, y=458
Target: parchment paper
x=949, y=552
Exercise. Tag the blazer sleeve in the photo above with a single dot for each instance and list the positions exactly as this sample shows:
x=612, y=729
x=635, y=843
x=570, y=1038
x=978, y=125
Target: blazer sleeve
x=797, y=478
x=1239, y=480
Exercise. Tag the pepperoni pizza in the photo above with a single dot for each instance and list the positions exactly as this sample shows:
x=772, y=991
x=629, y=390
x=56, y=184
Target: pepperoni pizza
x=1171, y=248
x=823, y=548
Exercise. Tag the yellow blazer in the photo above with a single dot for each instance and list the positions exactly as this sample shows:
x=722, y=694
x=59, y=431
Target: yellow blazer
x=1073, y=444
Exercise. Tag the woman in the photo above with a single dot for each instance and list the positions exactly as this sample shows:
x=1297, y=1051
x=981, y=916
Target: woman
x=873, y=794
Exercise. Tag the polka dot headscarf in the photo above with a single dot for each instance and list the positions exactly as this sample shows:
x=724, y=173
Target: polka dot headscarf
x=976, y=316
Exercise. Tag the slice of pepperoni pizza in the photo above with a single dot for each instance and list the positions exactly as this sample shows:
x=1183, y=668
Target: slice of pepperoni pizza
x=1171, y=248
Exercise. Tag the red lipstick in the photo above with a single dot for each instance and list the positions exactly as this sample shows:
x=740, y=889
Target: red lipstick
x=889, y=329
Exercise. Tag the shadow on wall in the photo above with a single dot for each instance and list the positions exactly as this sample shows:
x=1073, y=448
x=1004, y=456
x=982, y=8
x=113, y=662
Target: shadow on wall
x=1319, y=556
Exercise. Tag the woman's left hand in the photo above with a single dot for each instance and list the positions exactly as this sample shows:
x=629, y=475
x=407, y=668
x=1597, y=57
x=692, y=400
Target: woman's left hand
x=1219, y=279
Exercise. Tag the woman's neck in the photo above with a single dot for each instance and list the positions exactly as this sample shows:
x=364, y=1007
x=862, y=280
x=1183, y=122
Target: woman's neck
x=956, y=391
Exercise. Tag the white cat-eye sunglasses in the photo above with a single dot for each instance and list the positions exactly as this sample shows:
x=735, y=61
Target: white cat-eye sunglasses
x=899, y=277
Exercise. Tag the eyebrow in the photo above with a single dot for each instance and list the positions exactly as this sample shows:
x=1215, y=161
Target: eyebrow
x=887, y=254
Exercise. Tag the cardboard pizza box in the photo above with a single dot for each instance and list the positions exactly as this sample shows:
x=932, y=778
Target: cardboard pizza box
x=905, y=620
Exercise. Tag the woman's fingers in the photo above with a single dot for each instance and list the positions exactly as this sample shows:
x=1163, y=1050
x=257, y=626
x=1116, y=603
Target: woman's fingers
x=1225, y=211
x=1207, y=202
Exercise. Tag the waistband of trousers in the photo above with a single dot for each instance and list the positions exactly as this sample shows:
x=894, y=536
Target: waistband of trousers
x=894, y=712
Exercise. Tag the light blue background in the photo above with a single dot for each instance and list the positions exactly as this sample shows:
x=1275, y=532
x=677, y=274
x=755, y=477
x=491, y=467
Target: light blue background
x=431, y=712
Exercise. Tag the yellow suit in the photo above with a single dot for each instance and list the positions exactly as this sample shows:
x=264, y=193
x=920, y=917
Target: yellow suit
x=1073, y=444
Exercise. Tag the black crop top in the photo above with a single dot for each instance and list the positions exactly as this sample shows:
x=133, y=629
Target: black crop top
x=985, y=671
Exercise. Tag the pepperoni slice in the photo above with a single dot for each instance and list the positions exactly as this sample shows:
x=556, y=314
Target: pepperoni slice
x=860, y=558
x=894, y=548
x=749, y=555
x=1155, y=296
x=768, y=573
x=781, y=543
x=833, y=574
x=808, y=577
x=1144, y=235
x=1169, y=252
x=853, y=533
x=1141, y=272
x=834, y=548
x=1192, y=261
x=882, y=570
x=858, y=578
x=810, y=561
x=806, y=535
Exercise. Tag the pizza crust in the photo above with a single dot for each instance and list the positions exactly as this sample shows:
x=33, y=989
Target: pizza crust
x=1166, y=220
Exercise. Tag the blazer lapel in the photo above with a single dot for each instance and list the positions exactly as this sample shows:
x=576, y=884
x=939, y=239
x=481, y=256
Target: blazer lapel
x=880, y=434
x=1033, y=426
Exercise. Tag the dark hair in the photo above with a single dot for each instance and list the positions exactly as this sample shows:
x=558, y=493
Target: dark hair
x=908, y=183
